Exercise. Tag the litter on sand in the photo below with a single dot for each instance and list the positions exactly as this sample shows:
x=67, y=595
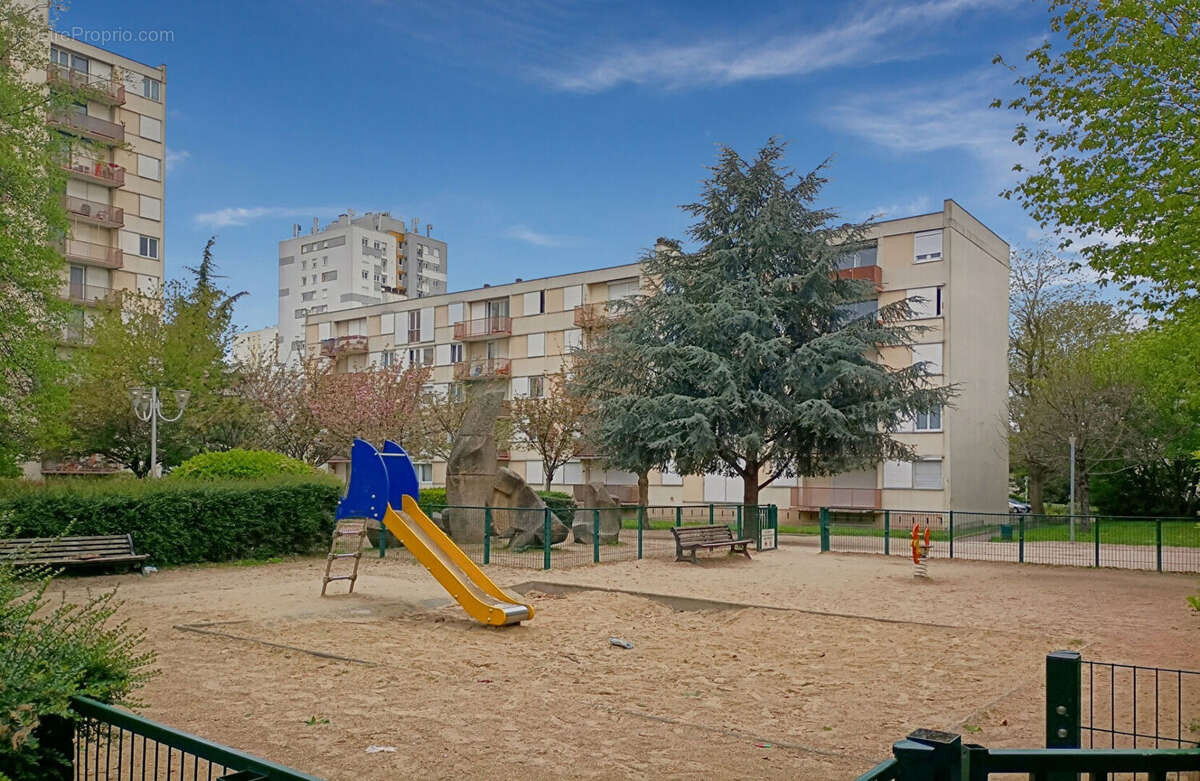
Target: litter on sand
x=381, y=749
x=619, y=643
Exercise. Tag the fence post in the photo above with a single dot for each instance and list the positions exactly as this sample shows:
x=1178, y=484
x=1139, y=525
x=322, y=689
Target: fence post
x=679, y=516
x=1021, y=538
x=1063, y=705
x=546, y=538
x=824, y=516
x=641, y=523
x=739, y=521
x=712, y=518
x=930, y=754
x=383, y=535
x=487, y=535
x=595, y=536
x=1158, y=542
x=951, y=534
x=1096, y=537
x=887, y=532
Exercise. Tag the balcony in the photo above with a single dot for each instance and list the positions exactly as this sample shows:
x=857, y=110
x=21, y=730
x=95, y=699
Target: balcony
x=95, y=212
x=79, y=293
x=864, y=273
x=108, y=91
x=93, y=254
x=486, y=369
x=94, y=128
x=595, y=315
x=107, y=174
x=343, y=345
x=483, y=328
x=812, y=497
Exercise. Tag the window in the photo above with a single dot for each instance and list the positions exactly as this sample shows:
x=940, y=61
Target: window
x=456, y=353
x=424, y=473
x=148, y=246
x=535, y=345
x=864, y=256
x=534, y=473
x=669, y=476
x=535, y=303
x=929, y=421
x=927, y=246
x=364, y=241
x=927, y=474
x=414, y=325
x=929, y=306
x=149, y=167
x=572, y=339
x=858, y=309
x=572, y=297
x=364, y=274
x=456, y=312
x=537, y=387
x=387, y=359
x=308, y=295
x=930, y=355
x=622, y=289
x=300, y=313
x=420, y=356
x=149, y=127
x=151, y=88
x=149, y=207
x=328, y=276
x=60, y=57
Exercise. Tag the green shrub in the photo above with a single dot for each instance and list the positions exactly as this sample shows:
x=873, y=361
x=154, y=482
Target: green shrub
x=182, y=522
x=238, y=464
x=49, y=652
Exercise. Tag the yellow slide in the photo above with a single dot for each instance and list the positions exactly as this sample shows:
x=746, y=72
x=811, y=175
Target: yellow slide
x=460, y=576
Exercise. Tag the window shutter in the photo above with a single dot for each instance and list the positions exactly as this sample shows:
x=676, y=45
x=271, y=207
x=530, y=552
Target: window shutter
x=520, y=387
x=427, y=324
x=443, y=355
x=572, y=297
x=930, y=354
x=536, y=345
x=926, y=308
x=927, y=246
x=897, y=474
x=927, y=474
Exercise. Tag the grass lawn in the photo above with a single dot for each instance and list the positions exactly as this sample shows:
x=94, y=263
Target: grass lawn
x=1183, y=534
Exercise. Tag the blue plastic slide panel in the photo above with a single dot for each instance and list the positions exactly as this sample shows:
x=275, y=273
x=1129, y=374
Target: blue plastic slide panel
x=402, y=475
x=367, y=490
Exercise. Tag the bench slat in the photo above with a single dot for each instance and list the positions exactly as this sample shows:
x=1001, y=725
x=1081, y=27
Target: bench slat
x=68, y=551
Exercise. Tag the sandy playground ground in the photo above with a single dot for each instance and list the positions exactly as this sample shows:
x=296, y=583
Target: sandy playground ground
x=834, y=657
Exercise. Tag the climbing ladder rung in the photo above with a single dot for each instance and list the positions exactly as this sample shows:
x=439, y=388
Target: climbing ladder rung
x=344, y=555
x=358, y=530
x=339, y=577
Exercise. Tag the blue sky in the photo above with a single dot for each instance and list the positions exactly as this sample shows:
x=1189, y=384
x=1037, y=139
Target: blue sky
x=555, y=135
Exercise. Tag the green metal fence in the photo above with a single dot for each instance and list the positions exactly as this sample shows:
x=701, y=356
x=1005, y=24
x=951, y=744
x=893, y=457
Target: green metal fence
x=1125, y=542
x=591, y=535
x=1072, y=692
x=110, y=743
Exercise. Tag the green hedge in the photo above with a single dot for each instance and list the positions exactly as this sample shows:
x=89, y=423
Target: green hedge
x=239, y=464
x=560, y=503
x=182, y=522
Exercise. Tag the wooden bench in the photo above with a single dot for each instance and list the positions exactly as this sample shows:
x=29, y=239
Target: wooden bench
x=65, y=552
x=693, y=538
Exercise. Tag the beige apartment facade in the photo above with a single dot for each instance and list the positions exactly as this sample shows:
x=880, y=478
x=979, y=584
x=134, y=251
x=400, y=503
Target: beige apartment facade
x=114, y=198
x=516, y=335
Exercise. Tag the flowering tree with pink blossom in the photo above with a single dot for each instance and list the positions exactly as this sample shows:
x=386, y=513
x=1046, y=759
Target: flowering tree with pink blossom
x=375, y=405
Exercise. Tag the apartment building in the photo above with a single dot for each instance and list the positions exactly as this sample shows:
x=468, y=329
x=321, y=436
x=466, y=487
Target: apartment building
x=263, y=343
x=354, y=262
x=116, y=123
x=517, y=334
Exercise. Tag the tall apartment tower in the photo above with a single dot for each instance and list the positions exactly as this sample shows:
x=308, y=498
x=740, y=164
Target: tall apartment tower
x=116, y=168
x=353, y=262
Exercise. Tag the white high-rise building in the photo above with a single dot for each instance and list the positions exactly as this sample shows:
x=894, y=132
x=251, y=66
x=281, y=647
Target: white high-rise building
x=353, y=262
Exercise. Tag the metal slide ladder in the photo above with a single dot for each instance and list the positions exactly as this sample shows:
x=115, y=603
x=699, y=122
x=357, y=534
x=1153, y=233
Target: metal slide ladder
x=343, y=531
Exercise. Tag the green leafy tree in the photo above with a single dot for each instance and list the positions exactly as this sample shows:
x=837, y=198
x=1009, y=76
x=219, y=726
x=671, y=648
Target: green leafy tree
x=32, y=219
x=178, y=342
x=1113, y=116
x=755, y=363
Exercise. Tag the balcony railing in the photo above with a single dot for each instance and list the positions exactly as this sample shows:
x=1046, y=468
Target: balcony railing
x=91, y=127
x=866, y=273
x=95, y=212
x=343, y=345
x=93, y=254
x=107, y=174
x=80, y=293
x=109, y=91
x=486, y=369
x=816, y=497
x=483, y=328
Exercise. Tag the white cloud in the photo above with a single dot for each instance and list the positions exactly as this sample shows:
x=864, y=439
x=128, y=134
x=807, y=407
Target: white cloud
x=953, y=114
x=175, y=158
x=537, y=238
x=237, y=215
x=922, y=204
x=886, y=32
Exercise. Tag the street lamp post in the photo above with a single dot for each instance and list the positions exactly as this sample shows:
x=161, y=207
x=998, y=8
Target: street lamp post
x=148, y=408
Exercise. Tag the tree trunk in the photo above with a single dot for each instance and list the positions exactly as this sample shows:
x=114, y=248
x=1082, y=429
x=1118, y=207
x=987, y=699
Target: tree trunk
x=1083, y=494
x=1037, y=479
x=549, y=478
x=750, y=519
x=643, y=488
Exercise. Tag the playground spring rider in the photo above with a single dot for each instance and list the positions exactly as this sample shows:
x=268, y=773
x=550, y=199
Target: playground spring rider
x=920, y=550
